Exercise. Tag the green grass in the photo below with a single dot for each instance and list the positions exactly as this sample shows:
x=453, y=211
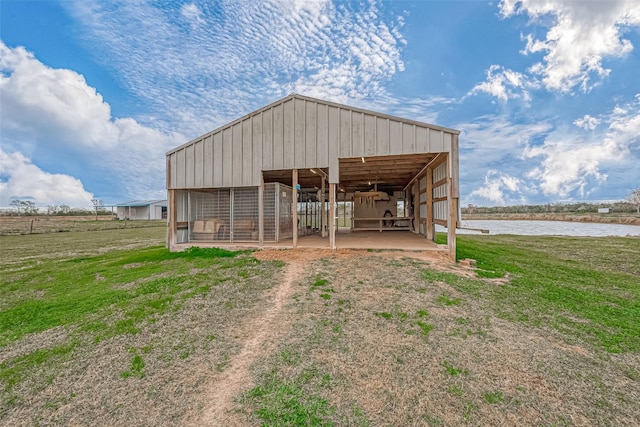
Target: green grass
x=96, y=297
x=70, y=291
x=583, y=287
x=280, y=401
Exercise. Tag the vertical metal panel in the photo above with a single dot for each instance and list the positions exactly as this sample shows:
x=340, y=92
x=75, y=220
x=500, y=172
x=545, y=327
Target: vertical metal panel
x=422, y=140
x=188, y=167
x=236, y=161
x=247, y=153
x=408, y=138
x=369, y=135
x=446, y=142
x=382, y=137
x=455, y=167
x=198, y=164
x=227, y=158
x=174, y=170
x=334, y=143
x=357, y=138
x=218, y=158
x=289, y=137
x=180, y=169
x=395, y=137
x=435, y=141
x=311, y=127
x=298, y=124
x=256, y=168
x=278, y=137
x=345, y=133
x=208, y=162
x=322, y=158
x=267, y=139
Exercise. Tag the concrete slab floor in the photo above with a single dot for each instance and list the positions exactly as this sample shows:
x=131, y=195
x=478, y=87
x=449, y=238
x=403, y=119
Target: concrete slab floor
x=345, y=239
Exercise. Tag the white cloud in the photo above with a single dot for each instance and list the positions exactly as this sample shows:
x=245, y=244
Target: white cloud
x=503, y=84
x=581, y=35
x=192, y=13
x=570, y=163
x=499, y=188
x=23, y=180
x=53, y=113
x=587, y=122
x=242, y=55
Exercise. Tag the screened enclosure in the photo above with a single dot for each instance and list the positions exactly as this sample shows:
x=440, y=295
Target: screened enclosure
x=231, y=214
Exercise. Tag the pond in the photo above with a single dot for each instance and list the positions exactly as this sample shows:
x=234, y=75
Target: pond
x=549, y=228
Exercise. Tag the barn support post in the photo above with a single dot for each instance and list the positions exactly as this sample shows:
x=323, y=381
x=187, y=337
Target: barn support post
x=294, y=207
x=261, y=212
x=172, y=230
x=323, y=222
x=430, y=231
x=453, y=213
x=332, y=216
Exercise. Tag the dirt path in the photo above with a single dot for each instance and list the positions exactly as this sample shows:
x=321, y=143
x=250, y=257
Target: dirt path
x=260, y=339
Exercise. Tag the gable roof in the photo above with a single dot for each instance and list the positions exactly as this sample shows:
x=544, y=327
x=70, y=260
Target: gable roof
x=319, y=101
x=135, y=203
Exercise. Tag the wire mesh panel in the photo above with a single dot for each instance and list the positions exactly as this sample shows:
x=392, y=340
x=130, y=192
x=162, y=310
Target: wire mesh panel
x=210, y=215
x=244, y=217
x=269, y=210
x=285, y=212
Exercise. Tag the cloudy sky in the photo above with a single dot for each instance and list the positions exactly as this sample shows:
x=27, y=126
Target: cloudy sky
x=546, y=93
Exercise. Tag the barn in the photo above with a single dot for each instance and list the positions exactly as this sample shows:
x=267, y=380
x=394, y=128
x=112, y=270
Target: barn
x=308, y=172
x=142, y=210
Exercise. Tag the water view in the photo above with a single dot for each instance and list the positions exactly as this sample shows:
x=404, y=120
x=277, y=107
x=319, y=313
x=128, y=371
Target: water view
x=550, y=228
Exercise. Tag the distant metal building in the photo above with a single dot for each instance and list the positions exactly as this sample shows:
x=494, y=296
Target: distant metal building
x=142, y=210
x=263, y=178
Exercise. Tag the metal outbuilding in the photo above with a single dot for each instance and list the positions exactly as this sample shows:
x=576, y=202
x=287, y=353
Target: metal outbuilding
x=263, y=179
x=142, y=210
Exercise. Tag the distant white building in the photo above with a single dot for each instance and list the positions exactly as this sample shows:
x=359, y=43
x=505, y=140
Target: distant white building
x=142, y=210
x=603, y=210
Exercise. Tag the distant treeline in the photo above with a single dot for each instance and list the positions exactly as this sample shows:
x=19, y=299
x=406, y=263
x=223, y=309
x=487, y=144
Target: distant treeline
x=27, y=208
x=581, y=208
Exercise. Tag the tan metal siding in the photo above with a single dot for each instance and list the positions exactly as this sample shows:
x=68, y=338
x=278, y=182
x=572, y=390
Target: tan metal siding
x=395, y=137
x=218, y=159
x=299, y=133
x=382, y=137
x=435, y=141
x=345, y=133
x=173, y=171
x=422, y=140
x=227, y=156
x=311, y=131
x=180, y=169
x=256, y=135
x=322, y=150
x=289, y=142
x=208, y=162
x=296, y=133
x=369, y=136
x=247, y=153
x=408, y=138
x=188, y=167
x=334, y=143
x=236, y=160
x=267, y=140
x=357, y=129
x=198, y=164
x=278, y=137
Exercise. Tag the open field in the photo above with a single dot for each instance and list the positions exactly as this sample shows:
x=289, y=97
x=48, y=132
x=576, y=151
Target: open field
x=108, y=328
x=39, y=224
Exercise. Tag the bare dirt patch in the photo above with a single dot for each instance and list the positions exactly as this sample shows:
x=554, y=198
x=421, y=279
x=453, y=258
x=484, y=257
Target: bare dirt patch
x=259, y=337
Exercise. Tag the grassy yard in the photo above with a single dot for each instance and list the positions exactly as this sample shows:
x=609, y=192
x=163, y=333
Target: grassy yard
x=109, y=328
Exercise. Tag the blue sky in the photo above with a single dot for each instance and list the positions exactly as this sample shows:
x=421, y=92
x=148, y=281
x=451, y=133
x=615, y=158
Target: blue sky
x=546, y=94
